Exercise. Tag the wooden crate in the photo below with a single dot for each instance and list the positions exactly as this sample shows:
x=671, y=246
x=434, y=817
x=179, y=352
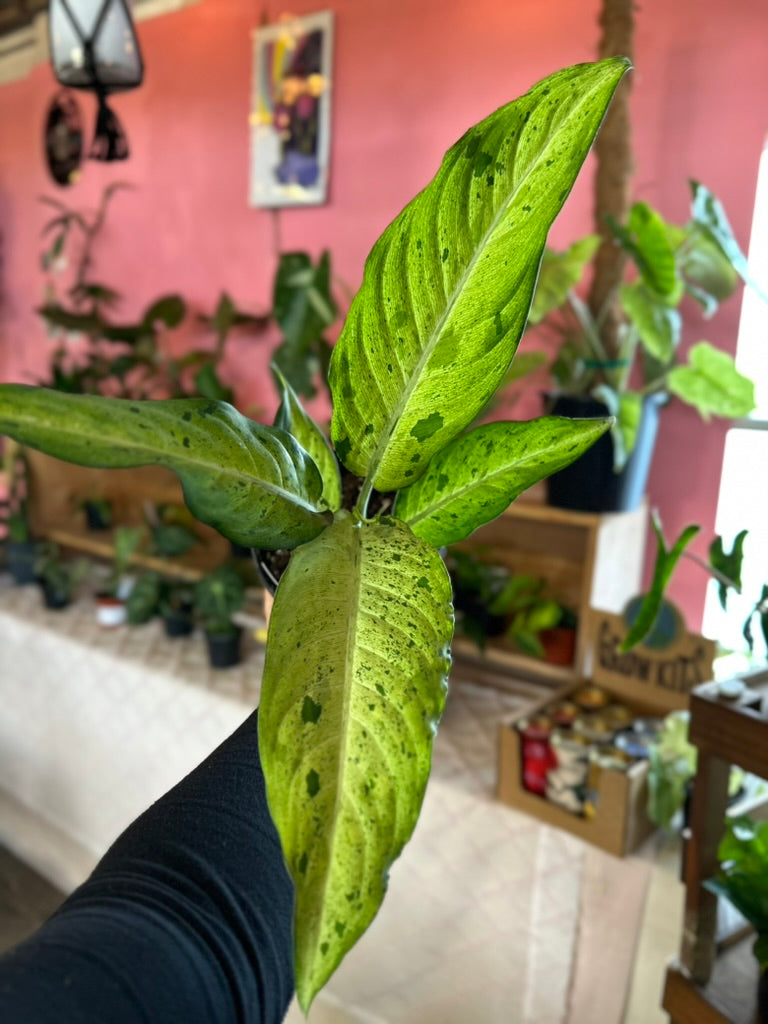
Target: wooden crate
x=588, y=560
x=620, y=822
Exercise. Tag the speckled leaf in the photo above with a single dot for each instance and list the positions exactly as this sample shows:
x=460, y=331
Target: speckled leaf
x=353, y=688
x=447, y=287
x=292, y=417
x=254, y=484
x=474, y=478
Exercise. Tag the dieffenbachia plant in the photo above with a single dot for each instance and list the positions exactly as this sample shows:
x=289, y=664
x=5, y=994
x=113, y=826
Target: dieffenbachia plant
x=358, y=650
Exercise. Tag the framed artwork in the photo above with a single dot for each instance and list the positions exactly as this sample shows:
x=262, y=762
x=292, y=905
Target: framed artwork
x=291, y=111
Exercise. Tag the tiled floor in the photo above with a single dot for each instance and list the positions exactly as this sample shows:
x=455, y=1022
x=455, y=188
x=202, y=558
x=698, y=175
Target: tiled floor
x=489, y=916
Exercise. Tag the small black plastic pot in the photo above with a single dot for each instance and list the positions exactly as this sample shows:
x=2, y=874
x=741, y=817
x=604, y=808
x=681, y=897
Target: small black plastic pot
x=54, y=598
x=762, y=998
x=97, y=516
x=178, y=623
x=224, y=648
x=20, y=556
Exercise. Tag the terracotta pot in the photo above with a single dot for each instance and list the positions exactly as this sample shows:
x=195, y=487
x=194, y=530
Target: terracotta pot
x=559, y=645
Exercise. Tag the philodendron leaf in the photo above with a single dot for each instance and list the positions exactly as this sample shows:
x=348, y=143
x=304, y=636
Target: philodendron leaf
x=292, y=417
x=254, y=484
x=475, y=477
x=354, y=685
x=727, y=564
x=657, y=324
x=447, y=287
x=666, y=560
x=709, y=215
x=712, y=384
x=559, y=273
x=626, y=407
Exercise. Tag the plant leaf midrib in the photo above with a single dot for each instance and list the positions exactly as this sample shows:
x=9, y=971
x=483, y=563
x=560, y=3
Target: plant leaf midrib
x=218, y=467
x=428, y=348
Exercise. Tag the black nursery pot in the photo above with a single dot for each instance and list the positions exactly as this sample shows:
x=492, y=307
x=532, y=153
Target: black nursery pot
x=762, y=998
x=95, y=517
x=224, y=648
x=178, y=624
x=589, y=484
x=53, y=598
x=20, y=556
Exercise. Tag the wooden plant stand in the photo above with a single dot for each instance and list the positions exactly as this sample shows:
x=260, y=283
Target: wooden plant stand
x=707, y=987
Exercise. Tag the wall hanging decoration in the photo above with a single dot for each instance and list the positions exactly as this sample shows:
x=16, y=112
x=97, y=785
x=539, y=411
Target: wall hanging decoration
x=94, y=47
x=291, y=111
x=63, y=138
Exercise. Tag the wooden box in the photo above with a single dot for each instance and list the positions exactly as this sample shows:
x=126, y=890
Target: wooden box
x=588, y=560
x=652, y=683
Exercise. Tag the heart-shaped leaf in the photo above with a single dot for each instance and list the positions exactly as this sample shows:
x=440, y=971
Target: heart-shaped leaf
x=254, y=484
x=448, y=286
x=475, y=477
x=293, y=418
x=354, y=685
x=711, y=383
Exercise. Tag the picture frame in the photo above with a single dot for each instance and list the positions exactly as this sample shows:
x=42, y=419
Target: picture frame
x=291, y=111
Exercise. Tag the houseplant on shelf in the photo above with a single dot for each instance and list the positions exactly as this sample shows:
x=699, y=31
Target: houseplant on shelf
x=173, y=600
x=492, y=602
x=58, y=578
x=111, y=598
x=217, y=596
x=632, y=369
x=357, y=656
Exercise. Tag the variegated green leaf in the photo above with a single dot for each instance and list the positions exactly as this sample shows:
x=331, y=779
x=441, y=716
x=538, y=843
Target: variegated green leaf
x=475, y=477
x=293, y=418
x=448, y=286
x=711, y=383
x=254, y=484
x=353, y=688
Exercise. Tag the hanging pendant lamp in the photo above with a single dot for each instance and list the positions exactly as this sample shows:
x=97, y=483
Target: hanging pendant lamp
x=94, y=47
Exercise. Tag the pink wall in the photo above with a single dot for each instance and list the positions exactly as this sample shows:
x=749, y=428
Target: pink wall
x=409, y=79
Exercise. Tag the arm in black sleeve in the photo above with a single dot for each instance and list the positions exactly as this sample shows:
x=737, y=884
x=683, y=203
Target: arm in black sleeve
x=186, y=918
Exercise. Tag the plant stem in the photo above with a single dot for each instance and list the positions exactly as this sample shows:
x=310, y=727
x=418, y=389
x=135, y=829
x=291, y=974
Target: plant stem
x=364, y=497
x=719, y=576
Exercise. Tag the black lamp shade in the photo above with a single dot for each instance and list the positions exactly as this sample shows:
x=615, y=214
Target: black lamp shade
x=94, y=45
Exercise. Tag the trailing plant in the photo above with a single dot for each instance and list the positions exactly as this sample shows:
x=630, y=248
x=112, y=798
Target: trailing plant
x=620, y=364
x=357, y=658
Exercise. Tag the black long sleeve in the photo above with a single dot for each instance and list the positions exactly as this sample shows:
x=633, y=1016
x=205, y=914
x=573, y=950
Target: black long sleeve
x=186, y=918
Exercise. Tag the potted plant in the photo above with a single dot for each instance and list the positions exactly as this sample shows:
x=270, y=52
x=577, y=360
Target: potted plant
x=491, y=602
x=58, y=578
x=218, y=595
x=357, y=659
x=98, y=512
x=172, y=600
x=621, y=358
x=20, y=546
x=743, y=879
x=111, y=598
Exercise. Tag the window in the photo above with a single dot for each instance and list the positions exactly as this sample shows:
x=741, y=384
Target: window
x=743, y=499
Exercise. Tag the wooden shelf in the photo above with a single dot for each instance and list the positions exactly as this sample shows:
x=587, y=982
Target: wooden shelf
x=496, y=661
x=588, y=561
x=200, y=559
